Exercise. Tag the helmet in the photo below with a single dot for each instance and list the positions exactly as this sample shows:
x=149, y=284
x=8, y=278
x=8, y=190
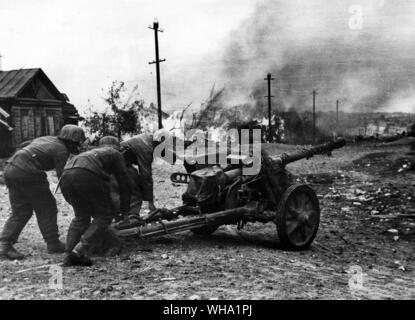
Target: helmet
x=72, y=133
x=109, y=141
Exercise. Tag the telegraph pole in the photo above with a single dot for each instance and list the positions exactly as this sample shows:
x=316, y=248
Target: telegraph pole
x=314, y=114
x=269, y=96
x=157, y=62
x=337, y=114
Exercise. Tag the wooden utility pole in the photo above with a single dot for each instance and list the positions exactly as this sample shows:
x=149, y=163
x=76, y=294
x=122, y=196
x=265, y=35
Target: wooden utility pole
x=314, y=114
x=156, y=29
x=337, y=114
x=269, y=96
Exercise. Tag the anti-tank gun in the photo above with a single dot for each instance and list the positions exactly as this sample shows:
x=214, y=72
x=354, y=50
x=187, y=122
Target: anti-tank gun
x=218, y=195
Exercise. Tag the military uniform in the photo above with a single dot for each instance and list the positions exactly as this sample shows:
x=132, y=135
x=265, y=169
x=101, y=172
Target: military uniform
x=135, y=189
x=142, y=148
x=411, y=130
x=29, y=191
x=85, y=185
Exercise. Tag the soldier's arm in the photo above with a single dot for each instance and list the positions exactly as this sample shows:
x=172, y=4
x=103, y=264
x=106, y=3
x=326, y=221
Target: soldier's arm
x=148, y=194
x=60, y=161
x=121, y=175
x=146, y=176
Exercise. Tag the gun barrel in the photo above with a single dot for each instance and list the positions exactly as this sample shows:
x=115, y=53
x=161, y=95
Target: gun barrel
x=310, y=152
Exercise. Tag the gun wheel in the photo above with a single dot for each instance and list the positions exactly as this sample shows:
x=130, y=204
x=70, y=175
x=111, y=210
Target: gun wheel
x=298, y=217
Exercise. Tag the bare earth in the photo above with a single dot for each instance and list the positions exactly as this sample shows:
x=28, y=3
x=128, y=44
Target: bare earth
x=360, y=203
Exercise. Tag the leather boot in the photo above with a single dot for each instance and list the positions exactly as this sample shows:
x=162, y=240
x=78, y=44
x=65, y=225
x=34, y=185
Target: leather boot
x=82, y=251
x=71, y=259
x=85, y=261
x=74, y=259
x=7, y=251
x=56, y=246
x=72, y=239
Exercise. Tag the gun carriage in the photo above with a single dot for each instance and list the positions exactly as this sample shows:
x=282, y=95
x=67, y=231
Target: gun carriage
x=217, y=196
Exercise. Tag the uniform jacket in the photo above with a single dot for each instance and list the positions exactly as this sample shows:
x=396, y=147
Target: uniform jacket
x=142, y=147
x=42, y=154
x=104, y=162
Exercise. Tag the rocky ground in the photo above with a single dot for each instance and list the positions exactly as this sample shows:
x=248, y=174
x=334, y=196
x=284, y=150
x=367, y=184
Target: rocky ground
x=364, y=248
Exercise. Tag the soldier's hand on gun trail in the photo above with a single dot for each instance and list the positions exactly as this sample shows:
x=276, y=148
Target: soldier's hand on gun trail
x=120, y=216
x=151, y=206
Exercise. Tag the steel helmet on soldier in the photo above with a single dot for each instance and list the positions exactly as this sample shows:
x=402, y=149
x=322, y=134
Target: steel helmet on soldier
x=71, y=132
x=109, y=141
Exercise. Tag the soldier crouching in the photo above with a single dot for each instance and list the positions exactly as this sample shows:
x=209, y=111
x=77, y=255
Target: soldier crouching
x=139, y=150
x=85, y=185
x=29, y=191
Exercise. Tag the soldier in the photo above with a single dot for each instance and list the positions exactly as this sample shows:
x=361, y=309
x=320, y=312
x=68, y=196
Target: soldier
x=85, y=185
x=29, y=191
x=411, y=133
x=139, y=151
x=411, y=130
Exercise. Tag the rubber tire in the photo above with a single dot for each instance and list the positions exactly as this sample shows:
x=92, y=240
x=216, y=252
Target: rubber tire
x=281, y=213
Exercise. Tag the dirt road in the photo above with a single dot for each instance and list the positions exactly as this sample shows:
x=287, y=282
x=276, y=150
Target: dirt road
x=364, y=248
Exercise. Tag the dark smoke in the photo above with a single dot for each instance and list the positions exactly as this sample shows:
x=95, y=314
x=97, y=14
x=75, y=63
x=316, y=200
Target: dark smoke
x=309, y=44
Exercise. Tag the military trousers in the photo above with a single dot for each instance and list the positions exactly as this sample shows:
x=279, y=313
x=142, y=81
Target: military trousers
x=89, y=195
x=27, y=193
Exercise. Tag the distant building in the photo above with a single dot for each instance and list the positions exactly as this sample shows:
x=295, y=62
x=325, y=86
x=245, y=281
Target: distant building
x=30, y=106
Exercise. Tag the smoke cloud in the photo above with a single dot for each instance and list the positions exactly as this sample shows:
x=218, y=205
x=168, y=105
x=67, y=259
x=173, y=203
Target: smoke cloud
x=361, y=52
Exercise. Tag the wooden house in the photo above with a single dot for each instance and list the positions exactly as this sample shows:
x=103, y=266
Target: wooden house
x=30, y=106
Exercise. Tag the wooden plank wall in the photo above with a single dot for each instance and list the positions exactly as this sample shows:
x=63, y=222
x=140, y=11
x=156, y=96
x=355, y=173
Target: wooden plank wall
x=36, y=127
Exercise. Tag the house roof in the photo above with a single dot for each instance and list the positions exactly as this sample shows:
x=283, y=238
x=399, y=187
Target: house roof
x=14, y=81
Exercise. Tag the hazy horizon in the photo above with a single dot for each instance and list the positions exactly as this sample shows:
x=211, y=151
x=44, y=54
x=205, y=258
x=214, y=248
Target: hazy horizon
x=85, y=45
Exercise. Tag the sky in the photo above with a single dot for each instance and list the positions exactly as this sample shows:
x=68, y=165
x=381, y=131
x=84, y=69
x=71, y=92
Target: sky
x=360, y=52
x=83, y=45
x=357, y=51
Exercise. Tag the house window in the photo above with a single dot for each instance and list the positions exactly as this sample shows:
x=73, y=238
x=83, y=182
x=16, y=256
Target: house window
x=24, y=124
x=38, y=125
x=50, y=120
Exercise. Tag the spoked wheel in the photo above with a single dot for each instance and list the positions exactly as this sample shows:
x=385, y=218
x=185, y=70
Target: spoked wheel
x=298, y=217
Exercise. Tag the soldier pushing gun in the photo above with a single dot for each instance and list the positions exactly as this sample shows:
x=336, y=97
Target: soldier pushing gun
x=29, y=191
